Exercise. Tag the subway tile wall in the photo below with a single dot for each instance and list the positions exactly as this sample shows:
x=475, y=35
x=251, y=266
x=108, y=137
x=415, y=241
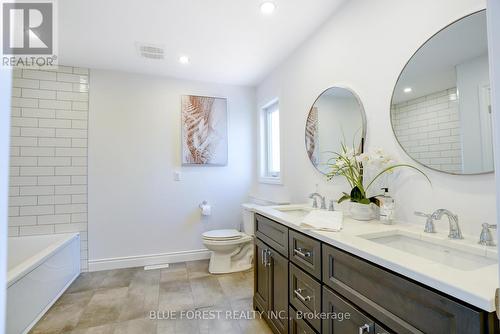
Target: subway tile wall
x=428, y=128
x=48, y=168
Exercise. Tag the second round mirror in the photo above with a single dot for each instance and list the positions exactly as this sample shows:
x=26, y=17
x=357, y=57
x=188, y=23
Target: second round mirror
x=336, y=117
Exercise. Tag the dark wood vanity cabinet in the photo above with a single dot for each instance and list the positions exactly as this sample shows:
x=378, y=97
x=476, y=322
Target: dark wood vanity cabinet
x=271, y=286
x=297, y=276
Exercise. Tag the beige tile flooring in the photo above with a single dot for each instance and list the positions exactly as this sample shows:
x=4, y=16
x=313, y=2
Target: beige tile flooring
x=119, y=301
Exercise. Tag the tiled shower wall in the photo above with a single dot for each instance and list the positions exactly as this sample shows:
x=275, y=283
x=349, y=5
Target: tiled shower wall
x=48, y=168
x=428, y=128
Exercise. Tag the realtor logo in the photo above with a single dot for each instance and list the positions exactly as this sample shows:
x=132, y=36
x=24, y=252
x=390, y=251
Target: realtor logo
x=28, y=30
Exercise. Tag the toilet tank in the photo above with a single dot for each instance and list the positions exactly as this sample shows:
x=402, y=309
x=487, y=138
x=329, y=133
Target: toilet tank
x=248, y=218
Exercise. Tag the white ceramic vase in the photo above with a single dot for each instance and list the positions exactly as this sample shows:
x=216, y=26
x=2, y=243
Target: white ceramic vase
x=362, y=211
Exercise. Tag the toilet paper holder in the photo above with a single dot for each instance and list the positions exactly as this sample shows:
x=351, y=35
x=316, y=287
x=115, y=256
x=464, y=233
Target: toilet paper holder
x=206, y=209
x=202, y=204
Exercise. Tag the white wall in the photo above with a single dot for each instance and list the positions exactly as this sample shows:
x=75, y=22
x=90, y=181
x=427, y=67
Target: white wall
x=135, y=206
x=5, y=81
x=365, y=46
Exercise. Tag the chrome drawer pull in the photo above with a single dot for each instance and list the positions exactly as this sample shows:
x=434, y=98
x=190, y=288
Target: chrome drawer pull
x=302, y=252
x=302, y=298
x=364, y=329
x=268, y=255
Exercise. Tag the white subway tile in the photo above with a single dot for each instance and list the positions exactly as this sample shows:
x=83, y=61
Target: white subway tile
x=35, y=210
x=71, y=190
x=71, y=152
x=16, y=92
x=23, y=121
x=14, y=171
x=54, y=199
x=36, y=190
x=82, y=179
x=17, y=72
x=56, y=85
x=37, y=132
x=54, y=142
x=40, y=75
x=53, y=180
x=25, y=83
x=79, y=217
x=24, y=102
x=54, y=219
x=15, y=131
x=36, y=171
x=54, y=161
x=36, y=230
x=38, y=93
x=64, y=69
x=23, y=200
x=79, y=124
x=13, y=191
x=37, y=151
x=72, y=78
x=80, y=70
x=54, y=104
x=70, y=114
x=22, y=220
x=54, y=123
x=23, y=161
x=79, y=106
x=78, y=142
x=72, y=96
x=82, y=88
x=71, y=228
x=71, y=171
x=13, y=231
x=13, y=211
x=14, y=152
x=79, y=161
x=71, y=208
x=40, y=113
x=23, y=141
x=15, y=112
x=71, y=133
x=22, y=181
x=78, y=199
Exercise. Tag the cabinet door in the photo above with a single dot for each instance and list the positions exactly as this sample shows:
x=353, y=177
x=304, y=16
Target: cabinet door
x=298, y=325
x=261, y=277
x=343, y=317
x=278, y=306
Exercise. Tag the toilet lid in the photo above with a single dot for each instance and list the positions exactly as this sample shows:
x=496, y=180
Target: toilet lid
x=222, y=234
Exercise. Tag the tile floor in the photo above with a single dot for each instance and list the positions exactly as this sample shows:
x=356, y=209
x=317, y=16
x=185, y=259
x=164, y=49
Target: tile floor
x=119, y=301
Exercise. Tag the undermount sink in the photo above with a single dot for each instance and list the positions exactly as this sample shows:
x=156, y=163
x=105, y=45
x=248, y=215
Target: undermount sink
x=460, y=257
x=295, y=211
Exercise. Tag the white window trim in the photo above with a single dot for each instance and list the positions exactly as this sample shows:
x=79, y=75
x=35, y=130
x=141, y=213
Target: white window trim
x=264, y=151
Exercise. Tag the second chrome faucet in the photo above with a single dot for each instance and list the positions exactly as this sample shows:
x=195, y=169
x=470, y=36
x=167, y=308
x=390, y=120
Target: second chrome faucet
x=454, y=233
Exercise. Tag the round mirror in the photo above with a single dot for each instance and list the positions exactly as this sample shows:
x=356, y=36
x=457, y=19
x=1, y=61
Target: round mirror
x=440, y=110
x=336, y=118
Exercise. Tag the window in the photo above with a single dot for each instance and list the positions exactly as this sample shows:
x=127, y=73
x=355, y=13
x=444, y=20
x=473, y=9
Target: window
x=271, y=143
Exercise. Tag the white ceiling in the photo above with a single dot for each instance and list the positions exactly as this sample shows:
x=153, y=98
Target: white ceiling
x=432, y=68
x=227, y=41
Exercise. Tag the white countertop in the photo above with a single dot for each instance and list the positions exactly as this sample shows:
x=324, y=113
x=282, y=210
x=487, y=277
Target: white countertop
x=476, y=287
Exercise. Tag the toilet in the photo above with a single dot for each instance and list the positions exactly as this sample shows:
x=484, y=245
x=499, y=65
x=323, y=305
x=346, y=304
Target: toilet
x=232, y=250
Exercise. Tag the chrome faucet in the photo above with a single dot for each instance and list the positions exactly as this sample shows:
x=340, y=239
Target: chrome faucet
x=429, y=224
x=315, y=202
x=455, y=232
x=486, y=238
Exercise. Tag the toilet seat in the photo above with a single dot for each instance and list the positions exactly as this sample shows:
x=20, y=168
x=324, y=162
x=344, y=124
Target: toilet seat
x=222, y=235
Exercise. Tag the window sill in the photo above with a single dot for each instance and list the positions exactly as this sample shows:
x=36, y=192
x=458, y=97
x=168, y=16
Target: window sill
x=271, y=180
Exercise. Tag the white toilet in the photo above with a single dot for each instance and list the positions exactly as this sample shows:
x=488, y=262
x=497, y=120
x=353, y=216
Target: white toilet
x=232, y=250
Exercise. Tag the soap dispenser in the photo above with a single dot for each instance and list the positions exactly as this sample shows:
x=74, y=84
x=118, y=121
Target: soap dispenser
x=387, y=207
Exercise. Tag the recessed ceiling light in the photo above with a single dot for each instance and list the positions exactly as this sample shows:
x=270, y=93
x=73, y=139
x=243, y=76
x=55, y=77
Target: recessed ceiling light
x=407, y=90
x=267, y=7
x=184, y=60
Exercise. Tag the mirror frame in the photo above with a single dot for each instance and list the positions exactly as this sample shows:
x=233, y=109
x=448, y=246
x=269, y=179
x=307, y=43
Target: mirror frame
x=394, y=89
x=363, y=119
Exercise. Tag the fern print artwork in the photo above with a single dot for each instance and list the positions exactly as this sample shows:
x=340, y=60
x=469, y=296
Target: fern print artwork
x=204, y=130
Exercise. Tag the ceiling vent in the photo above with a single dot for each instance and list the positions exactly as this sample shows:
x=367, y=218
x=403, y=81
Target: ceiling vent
x=151, y=51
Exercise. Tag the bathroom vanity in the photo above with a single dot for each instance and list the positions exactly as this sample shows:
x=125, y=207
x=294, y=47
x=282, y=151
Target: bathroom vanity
x=345, y=282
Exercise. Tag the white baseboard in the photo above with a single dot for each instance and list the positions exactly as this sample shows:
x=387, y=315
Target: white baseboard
x=148, y=260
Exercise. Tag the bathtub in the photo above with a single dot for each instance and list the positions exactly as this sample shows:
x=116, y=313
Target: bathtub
x=39, y=270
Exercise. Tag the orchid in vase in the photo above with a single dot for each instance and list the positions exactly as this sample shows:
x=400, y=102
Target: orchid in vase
x=353, y=165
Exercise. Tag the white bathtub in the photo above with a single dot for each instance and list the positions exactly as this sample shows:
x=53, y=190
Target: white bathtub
x=40, y=269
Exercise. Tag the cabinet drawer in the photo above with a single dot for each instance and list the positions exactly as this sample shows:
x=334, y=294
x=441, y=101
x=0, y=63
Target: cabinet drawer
x=343, y=316
x=298, y=325
x=305, y=252
x=272, y=233
x=390, y=298
x=305, y=295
